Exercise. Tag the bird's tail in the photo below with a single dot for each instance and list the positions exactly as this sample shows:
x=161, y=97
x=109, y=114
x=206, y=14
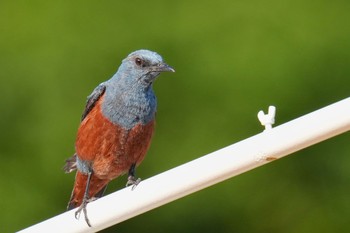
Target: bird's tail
x=96, y=189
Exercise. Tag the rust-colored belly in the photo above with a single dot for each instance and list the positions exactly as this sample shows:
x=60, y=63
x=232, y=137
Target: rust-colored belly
x=110, y=148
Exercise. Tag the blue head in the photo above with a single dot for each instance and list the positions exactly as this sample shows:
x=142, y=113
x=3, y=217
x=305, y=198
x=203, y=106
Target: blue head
x=140, y=69
x=129, y=96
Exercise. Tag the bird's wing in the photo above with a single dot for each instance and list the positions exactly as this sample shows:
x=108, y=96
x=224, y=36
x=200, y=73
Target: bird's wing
x=71, y=162
x=92, y=99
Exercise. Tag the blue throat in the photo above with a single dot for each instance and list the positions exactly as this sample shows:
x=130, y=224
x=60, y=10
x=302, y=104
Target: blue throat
x=129, y=105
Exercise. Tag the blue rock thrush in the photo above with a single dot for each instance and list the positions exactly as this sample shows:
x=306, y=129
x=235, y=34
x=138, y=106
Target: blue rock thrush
x=116, y=128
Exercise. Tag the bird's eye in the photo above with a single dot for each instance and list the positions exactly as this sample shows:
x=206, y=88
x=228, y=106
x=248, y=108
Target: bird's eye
x=139, y=61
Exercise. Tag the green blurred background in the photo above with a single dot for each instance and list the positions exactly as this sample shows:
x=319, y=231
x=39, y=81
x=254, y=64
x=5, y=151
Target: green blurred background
x=232, y=59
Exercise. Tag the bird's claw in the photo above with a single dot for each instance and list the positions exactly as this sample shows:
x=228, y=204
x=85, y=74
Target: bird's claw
x=132, y=180
x=82, y=207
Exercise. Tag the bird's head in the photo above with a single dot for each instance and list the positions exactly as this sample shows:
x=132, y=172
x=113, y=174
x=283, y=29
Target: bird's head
x=142, y=67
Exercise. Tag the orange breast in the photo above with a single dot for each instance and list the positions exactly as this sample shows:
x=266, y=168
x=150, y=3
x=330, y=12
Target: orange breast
x=111, y=148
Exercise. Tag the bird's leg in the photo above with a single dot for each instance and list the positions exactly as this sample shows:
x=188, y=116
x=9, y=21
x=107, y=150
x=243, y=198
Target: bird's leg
x=132, y=180
x=85, y=201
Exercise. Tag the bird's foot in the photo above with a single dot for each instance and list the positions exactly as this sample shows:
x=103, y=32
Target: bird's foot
x=132, y=180
x=82, y=207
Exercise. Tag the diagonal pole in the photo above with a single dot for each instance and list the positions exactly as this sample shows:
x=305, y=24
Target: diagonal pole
x=205, y=171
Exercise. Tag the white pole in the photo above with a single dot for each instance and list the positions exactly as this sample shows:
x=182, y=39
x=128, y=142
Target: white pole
x=200, y=173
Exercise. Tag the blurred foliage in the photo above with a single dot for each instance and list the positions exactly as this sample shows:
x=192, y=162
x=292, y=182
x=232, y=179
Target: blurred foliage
x=232, y=59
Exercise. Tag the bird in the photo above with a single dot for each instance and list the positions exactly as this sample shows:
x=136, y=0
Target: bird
x=116, y=128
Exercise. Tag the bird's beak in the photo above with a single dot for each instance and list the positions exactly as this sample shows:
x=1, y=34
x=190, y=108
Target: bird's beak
x=162, y=67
